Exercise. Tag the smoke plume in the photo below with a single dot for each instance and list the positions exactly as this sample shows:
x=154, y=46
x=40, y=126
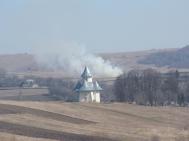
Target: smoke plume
x=71, y=58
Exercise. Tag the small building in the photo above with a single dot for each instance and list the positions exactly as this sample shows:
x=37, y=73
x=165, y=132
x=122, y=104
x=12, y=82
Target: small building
x=87, y=90
x=29, y=83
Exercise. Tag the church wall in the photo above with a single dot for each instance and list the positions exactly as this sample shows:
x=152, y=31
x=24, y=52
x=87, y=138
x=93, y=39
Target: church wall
x=97, y=97
x=85, y=97
x=89, y=97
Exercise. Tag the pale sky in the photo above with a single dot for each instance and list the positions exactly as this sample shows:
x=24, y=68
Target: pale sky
x=99, y=25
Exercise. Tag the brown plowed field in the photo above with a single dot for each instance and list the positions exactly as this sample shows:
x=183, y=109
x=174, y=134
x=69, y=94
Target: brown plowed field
x=45, y=133
x=12, y=109
x=92, y=122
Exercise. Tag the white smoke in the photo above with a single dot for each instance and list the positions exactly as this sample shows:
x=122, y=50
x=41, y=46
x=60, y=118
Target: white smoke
x=72, y=58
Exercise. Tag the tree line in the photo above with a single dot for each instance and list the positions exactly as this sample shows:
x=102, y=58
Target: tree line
x=149, y=87
x=143, y=87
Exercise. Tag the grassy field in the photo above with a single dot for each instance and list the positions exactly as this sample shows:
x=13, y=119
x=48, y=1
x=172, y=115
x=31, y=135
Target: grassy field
x=38, y=121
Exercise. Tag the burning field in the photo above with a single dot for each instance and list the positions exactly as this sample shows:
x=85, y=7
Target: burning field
x=91, y=122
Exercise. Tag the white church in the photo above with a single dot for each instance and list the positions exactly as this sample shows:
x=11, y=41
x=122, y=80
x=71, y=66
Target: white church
x=88, y=91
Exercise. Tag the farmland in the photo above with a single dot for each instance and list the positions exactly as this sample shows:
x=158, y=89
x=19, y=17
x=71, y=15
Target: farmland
x=56, y=120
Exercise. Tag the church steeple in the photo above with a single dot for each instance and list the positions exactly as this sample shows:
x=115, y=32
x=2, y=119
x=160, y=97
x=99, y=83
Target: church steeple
x=86, y=73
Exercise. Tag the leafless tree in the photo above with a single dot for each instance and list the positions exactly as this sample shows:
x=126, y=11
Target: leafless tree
x=120, y=88
x=170, y=87
x=151, y=82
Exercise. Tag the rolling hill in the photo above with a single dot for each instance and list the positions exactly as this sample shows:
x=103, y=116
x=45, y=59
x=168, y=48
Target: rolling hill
x=175, y=59
x=162, y=60
x=91, y=122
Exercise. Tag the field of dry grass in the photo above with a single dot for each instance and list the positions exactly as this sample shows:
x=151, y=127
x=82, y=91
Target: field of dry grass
x=81, y=121
x=24, y=94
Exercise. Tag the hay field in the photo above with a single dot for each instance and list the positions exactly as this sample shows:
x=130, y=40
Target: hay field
x=91, y=122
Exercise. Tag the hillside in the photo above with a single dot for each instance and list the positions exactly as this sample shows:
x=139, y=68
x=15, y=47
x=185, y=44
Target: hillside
x=27, y=62
x=18, y=62
x=162, y=60
x=129, y=60
x=77, y=122
x=175, y=59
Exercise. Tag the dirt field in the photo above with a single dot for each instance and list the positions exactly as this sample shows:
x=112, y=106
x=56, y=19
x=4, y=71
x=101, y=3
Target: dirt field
x=91, y=122
x=24, y=94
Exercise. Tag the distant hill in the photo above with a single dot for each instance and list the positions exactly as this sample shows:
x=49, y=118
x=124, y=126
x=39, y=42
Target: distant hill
x=162, y=60
x=27, y=63
x=128, y=60
x=18, y=62
x=178, y=58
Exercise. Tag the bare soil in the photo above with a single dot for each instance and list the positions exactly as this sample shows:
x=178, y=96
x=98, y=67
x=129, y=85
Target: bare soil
x=45, y=133
x=93, y=122
x=13, y=109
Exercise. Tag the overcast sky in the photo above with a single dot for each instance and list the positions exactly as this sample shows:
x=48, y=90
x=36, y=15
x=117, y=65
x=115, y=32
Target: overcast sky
x=99, y=25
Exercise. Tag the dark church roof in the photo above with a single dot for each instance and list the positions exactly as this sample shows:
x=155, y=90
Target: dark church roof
x=87, y=86
x=83, y=85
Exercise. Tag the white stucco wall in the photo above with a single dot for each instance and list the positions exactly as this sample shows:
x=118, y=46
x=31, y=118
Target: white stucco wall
x=89, y=97
x=85, y=97
x=97, y=97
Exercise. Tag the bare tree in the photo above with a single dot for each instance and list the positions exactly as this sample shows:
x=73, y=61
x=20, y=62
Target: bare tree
x=138, y=86
x=62, y=90
x=119, y=88
x=151, y=81
x=170, y=87
x=149, y=87
x=132, y=85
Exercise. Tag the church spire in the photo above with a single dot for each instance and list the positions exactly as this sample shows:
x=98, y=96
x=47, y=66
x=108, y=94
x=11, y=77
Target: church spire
x=86, y=73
